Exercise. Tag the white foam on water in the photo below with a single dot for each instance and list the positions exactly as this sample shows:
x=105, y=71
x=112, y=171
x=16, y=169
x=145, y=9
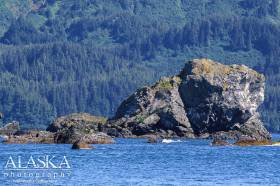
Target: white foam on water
x=273, y=145
x=170, y=141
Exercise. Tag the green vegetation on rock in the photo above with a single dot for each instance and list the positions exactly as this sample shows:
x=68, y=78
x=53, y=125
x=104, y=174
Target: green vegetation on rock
x=164, y=84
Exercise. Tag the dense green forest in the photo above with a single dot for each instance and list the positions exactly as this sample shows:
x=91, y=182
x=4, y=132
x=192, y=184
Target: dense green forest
x=64, y=56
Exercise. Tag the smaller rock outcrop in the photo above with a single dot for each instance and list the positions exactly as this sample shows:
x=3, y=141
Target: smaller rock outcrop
x=252, y=143
x=72, y=134
x=243, y=141
x=98, y=138
x=65, y=130
x=220, y=142
x=87, y=121
x=152, y=139
x=31, y=137
x=249, y=141
x=71, y=128
x=81, y=145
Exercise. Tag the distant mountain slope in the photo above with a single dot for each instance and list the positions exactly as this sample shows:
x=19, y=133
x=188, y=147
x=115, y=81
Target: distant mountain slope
x=59, y=57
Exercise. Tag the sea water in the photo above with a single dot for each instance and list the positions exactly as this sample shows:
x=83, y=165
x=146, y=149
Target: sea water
x=135, y=162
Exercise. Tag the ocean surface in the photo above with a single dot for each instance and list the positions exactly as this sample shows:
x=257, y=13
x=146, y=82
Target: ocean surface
x=135, y=162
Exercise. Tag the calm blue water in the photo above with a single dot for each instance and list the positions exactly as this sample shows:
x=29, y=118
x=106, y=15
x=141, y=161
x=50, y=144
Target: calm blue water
x=135, y=162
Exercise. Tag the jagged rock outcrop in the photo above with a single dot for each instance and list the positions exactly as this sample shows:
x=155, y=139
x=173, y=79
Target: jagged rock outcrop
x=205, y=99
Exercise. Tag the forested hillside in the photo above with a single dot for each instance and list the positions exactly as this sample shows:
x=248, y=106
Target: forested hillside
x=64, y=56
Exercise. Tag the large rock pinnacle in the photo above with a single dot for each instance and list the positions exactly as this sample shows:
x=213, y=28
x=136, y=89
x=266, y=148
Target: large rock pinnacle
x=206, y=98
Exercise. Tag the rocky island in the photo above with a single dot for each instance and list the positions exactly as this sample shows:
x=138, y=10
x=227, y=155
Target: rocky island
x=205, y=100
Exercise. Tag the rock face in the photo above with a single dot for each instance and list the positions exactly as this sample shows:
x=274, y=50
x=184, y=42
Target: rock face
x=222, y=98
x=206, y=98
x=154, y=110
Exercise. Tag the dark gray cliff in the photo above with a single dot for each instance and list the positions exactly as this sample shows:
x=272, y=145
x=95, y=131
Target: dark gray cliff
x=206, y=98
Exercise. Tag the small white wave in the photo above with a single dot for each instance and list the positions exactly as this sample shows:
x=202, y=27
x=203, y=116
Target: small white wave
x=170, y=141
x=277, y=144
